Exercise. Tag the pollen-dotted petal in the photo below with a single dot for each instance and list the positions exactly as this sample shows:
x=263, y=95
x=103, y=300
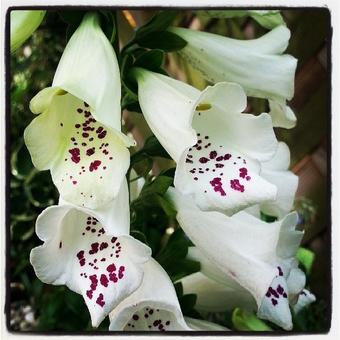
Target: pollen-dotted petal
x=77, y=252
x=152, y=307
x=88, y=160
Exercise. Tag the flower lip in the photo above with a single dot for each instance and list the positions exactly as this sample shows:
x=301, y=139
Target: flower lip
x=154, y=305
x=222, y=170
x=76, y=148
x=78, y=252
x=256, y=254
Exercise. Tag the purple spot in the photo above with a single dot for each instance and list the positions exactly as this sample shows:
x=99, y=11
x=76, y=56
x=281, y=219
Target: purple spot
x=212, y=154
x=236, y=185
x=203, y=160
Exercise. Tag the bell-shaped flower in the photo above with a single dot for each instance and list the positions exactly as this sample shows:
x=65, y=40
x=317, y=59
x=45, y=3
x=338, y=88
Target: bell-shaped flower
x=305, y=298
x=276, y=171
x=79, y=252
x=266, y=18
x=213, y=296
x=218, y=292
x=256, y=254
x=23, y=24
x=154, y=306
x=77, y=134
x=218, y=149
x=257, y=65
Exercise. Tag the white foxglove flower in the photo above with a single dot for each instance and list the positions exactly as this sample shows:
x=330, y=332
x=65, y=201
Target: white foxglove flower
x=77, y=135
x=218, y=150
x=266, y=18
x=213, y=296
x=79, y=253
x=257, y=65
x=276, y=171
x=218, y=292
x=136, y=185
x=254, y=253
x=114, y=215
x=23, y=24
x=154, y=307
x=305, y=298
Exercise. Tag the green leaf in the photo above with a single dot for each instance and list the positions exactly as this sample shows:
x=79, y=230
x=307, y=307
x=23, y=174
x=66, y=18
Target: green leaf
x=151, y=60
x=158, y=186
x=244, y=321
x=108, y=25
x=173, y=257
x=306, y=258
x=130, y=103
x=179, y=289
x=166, y=41
x=159, y=22
x=21, y=162
x=167, y=206
x=151, y=148
x=72, y=17
x=269, y=20
x=187, y=302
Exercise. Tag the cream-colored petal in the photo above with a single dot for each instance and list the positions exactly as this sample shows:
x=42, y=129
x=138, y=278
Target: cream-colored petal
x=255, y=65
x=88, y=69
x=88, y=160
x=167, y=106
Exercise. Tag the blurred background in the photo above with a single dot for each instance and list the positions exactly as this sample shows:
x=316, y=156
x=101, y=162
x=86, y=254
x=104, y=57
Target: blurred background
x=39, y=307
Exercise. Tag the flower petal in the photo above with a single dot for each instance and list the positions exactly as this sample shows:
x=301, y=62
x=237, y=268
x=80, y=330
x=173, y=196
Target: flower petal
x=305, y=299
x=152, y=307
x=213, y=272
x=203, y=325
x=88, y=69
x=213, y=296
x=77, y=252
x=247, y=249
x=115, y=215
x=296, y=281
x=275, y=171
x=88, y=161
x=223, y=121
x=282, y=115
x=43, y=99
x=219, y=170
x=167, y=106
x=23, y=24
x=254, y=65
x=239, y=249
x=136, y=185
x=274, y=306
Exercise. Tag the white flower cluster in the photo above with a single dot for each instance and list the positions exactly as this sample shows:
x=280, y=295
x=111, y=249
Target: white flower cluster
x=230, y=167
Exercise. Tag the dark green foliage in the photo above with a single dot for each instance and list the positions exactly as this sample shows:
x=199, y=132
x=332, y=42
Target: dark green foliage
x=56, y=308
x=167, y=41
